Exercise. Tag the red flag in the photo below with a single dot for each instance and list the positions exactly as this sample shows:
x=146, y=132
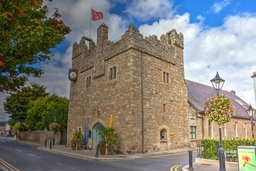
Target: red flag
x=97, y=15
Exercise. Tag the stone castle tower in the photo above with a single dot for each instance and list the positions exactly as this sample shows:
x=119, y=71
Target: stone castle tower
x=140, y=81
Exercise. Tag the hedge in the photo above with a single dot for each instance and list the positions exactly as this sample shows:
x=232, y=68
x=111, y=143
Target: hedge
x=210, y=148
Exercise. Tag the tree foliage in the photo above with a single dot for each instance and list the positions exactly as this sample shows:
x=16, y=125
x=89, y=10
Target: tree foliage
x=17, y=104
x=26, y=37
x=16, y=128
x=45, y=110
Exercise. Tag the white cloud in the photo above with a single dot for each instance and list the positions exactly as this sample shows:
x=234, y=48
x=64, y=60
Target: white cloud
x=229, y=49
x=218, y=6
x=150, y=9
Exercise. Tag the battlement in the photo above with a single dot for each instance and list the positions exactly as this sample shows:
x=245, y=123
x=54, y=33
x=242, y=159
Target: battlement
x=166, y=48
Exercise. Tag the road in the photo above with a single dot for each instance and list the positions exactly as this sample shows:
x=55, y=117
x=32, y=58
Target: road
x=26, y=157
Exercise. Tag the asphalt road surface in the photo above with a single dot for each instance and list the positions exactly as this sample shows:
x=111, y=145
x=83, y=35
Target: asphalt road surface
x=26, y=157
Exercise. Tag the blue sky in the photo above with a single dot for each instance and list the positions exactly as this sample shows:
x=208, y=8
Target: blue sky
x=219, y=35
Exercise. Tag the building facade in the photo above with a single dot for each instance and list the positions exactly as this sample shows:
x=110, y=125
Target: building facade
x=200, y=127
x=140, y=81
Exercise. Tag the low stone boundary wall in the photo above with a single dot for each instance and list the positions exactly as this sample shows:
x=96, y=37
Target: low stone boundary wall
x=39, y=136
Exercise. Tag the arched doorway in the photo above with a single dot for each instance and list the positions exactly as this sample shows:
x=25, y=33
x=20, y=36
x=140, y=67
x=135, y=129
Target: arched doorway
x=96, y=134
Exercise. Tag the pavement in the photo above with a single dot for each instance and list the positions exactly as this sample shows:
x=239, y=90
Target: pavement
x=198, y=164
x=210, y=165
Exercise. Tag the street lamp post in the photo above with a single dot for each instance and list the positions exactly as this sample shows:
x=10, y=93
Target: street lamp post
x=250, y=112
x=217, y=84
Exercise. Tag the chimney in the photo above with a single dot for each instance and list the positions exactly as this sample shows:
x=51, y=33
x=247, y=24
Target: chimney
x=254, y=84
x=233, y=91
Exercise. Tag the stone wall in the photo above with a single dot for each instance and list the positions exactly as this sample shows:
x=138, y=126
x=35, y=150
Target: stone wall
x=39, y=136
x=138, y=93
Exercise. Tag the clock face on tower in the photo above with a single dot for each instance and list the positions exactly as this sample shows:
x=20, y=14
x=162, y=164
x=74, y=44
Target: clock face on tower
x=72, y=75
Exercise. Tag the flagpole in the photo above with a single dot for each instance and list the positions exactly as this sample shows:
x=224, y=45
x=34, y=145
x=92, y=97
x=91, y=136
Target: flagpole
x=90, y=24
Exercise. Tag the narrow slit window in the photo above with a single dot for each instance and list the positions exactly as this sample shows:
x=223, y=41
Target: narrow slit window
x=165, y=77
x=88, y=82
x=112, y=73
x=164, y=107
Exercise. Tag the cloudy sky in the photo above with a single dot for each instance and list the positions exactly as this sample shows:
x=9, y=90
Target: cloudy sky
x=219, y=35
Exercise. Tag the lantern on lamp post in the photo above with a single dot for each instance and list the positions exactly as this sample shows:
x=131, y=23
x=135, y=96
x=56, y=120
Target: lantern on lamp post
x=250, y=112
x=217, y=83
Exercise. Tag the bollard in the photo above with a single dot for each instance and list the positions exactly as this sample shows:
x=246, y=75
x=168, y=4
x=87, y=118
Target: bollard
x=97, y=151
x=190, y=167
x=50, y=144
x=45, y=143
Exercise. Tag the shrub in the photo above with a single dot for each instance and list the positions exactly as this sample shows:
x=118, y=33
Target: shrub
x=210, y=149
x=108, y=142
x=77, y=141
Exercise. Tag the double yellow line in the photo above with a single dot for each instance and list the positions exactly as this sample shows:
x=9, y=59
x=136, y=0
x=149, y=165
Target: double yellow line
x=8, y=166
x=175, y=167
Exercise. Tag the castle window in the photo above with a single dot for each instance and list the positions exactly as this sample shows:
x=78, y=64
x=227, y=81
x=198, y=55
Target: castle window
x=192, y=132
x=164, y=107
x=163, y=134
x=166, y=77
x=112, y=73
x=88, y=82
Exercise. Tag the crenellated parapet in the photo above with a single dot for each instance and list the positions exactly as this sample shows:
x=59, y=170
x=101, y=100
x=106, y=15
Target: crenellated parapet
x=166, y=48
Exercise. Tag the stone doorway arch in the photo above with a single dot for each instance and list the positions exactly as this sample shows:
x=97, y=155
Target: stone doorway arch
x=96, y=134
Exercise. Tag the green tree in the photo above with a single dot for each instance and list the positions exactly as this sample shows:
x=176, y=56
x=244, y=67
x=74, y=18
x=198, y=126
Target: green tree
x=16, y=128
x=45, y=110
x=26, y=37
x=17, y=103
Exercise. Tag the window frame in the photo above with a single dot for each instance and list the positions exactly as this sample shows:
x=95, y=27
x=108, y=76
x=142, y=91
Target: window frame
x=112, y=73
x=163, y=134
x=165, y=77
x=192, y=132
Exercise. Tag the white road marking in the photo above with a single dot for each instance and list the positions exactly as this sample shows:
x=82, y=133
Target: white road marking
x=18, y=150
x=34, y=156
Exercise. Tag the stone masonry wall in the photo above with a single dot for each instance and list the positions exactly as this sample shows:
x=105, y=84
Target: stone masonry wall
x=140, y=63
